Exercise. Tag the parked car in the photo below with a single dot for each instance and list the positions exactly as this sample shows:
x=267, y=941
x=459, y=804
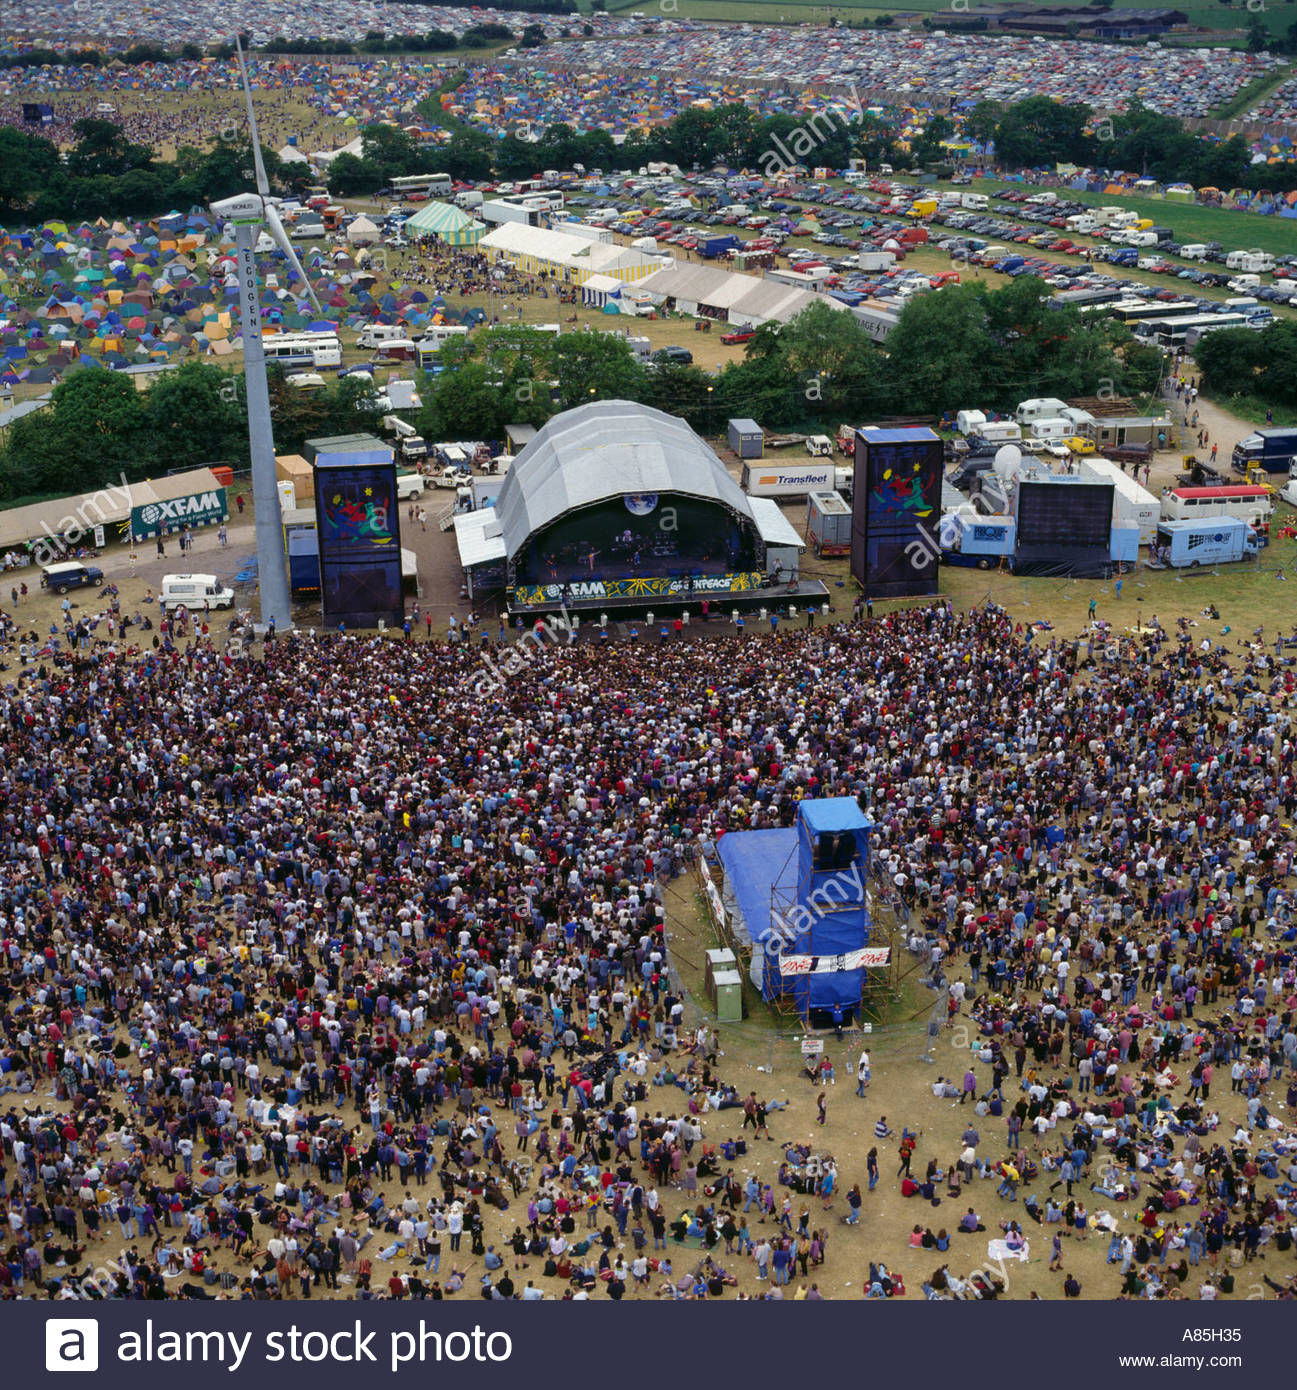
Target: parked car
x=70, y=574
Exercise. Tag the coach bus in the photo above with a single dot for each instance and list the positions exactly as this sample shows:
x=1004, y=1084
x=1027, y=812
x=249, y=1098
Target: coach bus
x=417, y=187
x=304, y=349
x=1135, y=310
x=1254, y=503
x=1173, y=332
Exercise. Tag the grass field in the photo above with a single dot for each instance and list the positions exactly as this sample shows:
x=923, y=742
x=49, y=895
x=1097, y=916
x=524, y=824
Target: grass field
x=1213, y=17
x=1241, y=230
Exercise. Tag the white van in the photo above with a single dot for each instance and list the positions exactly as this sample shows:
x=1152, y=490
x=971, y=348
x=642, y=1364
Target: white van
x=195, y=592
x=376, y=334
x=1195, y=251
x=409, y=485
x=974, y=202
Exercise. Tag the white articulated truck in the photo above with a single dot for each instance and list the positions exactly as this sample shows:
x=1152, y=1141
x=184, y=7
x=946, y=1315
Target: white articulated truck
x=769, y=478
x=1131, y=501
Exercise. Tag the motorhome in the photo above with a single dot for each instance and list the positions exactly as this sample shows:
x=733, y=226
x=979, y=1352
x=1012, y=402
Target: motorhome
x=1255, y=262
x=376, y=334
x=970, y=421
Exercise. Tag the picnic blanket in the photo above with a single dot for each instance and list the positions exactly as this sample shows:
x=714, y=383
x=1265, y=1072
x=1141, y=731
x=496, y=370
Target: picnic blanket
x=999, y=1250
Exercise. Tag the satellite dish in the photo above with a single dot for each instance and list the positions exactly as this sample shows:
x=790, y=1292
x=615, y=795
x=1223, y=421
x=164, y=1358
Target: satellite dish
x=1007, y=458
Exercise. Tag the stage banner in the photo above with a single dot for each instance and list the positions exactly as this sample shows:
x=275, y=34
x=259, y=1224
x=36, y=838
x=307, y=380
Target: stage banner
x=866, y=958
x=615, y=590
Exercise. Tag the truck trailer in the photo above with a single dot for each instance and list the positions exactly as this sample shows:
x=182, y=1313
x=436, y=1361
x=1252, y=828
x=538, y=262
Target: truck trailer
x=978, y=542
x=1217, y=540
x=774, y=479
x=1131, y=502
x=1271, y=449
x=828, y=523
x=712, y=246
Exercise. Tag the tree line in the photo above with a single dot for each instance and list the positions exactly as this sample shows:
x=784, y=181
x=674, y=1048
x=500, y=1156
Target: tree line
x=1244, y=363
x=1039, y=132
x=99, y=428
x=965, y=346
x=106, y=175
x=1026, y=134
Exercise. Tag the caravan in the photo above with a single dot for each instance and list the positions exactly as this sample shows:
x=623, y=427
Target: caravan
x=1039, y=408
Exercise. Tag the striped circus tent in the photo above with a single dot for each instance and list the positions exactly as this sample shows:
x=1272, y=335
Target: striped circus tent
x=443, y=220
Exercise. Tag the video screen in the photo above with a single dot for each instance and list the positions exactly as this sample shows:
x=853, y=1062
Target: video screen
x=1079, y=514
x=360, y=543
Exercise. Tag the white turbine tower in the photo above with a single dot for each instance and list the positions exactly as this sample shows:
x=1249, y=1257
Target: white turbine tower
x=247, y=213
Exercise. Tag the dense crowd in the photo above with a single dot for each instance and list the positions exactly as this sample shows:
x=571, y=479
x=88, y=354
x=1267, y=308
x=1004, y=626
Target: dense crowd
x=318, y=963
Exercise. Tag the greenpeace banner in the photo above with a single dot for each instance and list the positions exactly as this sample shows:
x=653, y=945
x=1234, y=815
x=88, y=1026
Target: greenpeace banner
x=864, y=958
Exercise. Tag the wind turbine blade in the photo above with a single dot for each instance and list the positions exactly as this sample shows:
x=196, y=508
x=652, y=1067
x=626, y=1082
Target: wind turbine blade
x=263, y=183
x=276, y=229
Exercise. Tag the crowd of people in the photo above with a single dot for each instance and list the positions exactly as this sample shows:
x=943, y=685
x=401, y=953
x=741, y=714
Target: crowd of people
x=318, y=964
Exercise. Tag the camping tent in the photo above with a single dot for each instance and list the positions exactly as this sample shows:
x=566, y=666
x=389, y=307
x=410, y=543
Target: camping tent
x=362, y=232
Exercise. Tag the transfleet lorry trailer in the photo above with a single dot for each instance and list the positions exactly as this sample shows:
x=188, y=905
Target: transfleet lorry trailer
x=771, y=479
x=1131, y=501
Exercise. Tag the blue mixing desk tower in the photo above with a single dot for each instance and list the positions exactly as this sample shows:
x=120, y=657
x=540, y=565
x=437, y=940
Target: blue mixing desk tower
x=800, y=902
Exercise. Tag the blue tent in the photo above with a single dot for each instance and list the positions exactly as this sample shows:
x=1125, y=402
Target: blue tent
x=798, y=899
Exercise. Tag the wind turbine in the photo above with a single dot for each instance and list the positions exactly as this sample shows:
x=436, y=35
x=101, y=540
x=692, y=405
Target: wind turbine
x=247, y=213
